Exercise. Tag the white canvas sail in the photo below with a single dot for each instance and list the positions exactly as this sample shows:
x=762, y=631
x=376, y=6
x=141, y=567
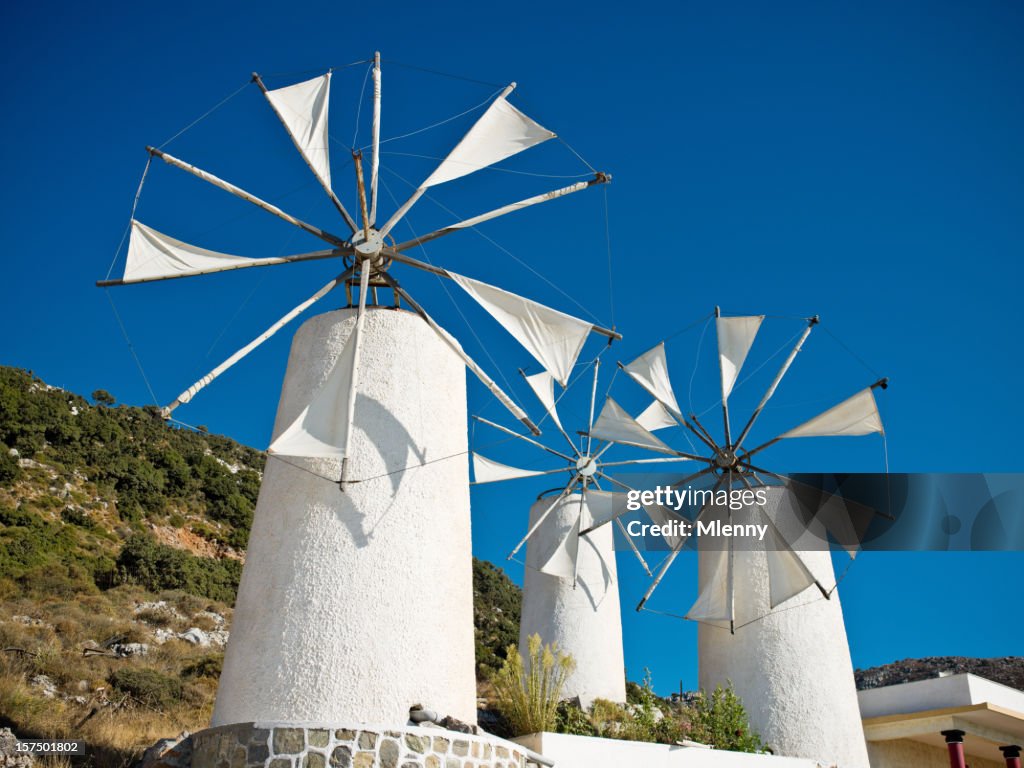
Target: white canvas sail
x=501, y=131
x=788, y=576
x=552, y=337
x=656, y=416
x=543, y=386
x=303, y=110
x=650, y=371
x=152, y=255
x=714, y=604
x=322, y=427
x=735, y=337
x=487, y=471
x=616, y=425
x=605, y=506
x=857, y=415
x=560, y=560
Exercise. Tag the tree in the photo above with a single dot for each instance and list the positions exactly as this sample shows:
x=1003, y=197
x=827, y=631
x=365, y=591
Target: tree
x=102, y=397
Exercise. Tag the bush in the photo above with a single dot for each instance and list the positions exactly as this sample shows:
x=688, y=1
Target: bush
x=156, y=566
x=9, y=469
x=102, y=397
x=208, y=666
x=148, y=686
x=528, y=695
x=721, y=720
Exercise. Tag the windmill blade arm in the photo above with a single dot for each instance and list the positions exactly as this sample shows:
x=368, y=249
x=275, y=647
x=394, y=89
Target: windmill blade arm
x=632, y=546
x=524, y=477
x=643, y=461
x=191, y=392
x=239, y=192
x=599, y=178
x=541, y=518
x=375, y=158
x=778, y=378
x=350, y=416
x=487, y=381
x=269, y=262
x=330, y=192
x=395, y=255
x=524, y=438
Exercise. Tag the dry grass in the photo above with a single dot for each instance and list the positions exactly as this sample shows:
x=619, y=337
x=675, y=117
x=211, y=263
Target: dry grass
x=116, y=727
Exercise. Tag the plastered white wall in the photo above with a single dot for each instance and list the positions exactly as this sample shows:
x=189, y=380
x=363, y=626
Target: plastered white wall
x=903, y=753
x=792, y=669
x=584, y=621
x=589, y=752
x=354, y=606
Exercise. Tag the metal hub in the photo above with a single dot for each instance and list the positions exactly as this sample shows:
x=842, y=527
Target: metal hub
x=368, y=247
x=726, y=459
x=586, y=466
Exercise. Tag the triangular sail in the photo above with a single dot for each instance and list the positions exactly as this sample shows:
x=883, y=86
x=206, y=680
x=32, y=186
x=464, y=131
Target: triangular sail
x=543, y=386
x=787, y=574
x=656, y=416
x=501, y=131
x=487, y=471
x=321, y=428
x=605, y=506
x=561, y=560
x=152, y=254
x=552, y=337
x=617, y=426
x=735, y=337
x=303, y=110
x=650, y=371
x=857, y=415
x=714, y=604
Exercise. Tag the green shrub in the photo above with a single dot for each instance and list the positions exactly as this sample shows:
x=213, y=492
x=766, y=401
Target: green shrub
x=9, y=469
x=208, y=666
x=721, y=720
x=148, y=686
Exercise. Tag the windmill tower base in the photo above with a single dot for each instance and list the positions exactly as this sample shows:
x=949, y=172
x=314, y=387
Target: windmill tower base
x=356, y=605
x=792, y=668
x=585, y=621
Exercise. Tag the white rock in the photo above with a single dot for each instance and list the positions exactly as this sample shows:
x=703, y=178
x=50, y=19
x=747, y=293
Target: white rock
x=196, y=636
x=46, y=686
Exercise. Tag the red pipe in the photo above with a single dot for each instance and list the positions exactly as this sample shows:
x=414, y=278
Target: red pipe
x=1011, y=754
x=955, y=745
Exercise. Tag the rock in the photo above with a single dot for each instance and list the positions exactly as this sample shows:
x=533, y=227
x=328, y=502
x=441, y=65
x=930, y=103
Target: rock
x=389, y=754
x=216, y=618
x=45, y=685
x=341, y=757
x=289, y=740
x=162, y=635
x=367, y=740
x=195, y=636
x=169, y=753
x=9, y=756
x=218, y=637
x=452, y=724
x=124, y=650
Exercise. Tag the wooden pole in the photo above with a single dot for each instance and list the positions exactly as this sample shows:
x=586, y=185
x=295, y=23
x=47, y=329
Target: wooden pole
x=375, y=158
x=330, y=192
x=357, y=339
x=239, y=192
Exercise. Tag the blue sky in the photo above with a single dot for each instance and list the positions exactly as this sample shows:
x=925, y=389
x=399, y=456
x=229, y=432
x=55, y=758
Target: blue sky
x=858, y=161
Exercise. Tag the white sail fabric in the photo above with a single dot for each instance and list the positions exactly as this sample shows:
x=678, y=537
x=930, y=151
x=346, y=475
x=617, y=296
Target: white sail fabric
x=303, y=110
x=656, y=416
x=670, y=522
x=487, y=471
x=787, y=574
x=552, y=337
x=322, y=427
x=605, y=506
x=650, y=371
x=735, y=337
x=714, y=604
x=152, y=254
x=616, y=425
x=857, y=415
x=543, y=386
x=560, y=560
x=501, y=131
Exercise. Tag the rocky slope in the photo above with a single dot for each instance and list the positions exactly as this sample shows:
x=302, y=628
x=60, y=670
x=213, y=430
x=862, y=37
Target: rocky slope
x=1008, y=670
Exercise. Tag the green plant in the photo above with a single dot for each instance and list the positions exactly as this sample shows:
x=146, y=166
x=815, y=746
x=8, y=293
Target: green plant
x=102, y=397
x=720, y=719
x=148, y=686
x=528, y=694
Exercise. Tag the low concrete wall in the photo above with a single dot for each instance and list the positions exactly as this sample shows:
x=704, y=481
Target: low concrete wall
x=589, y=752
x=312, y=745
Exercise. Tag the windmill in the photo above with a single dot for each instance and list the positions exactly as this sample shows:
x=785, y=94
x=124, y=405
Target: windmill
x=780, y=661
x=369, y=252
x=374, y=399
x=570, y=588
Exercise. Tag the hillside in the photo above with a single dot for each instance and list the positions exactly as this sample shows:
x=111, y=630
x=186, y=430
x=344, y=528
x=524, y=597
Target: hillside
x=1008, y=670
x=121, y=545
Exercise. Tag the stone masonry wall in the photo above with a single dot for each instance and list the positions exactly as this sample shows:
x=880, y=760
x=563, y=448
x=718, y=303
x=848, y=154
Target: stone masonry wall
x=259, y=745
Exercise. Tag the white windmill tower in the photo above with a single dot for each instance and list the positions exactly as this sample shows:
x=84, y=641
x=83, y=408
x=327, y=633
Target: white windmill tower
x=570, y=584
x=355, y=605
x=792, y=668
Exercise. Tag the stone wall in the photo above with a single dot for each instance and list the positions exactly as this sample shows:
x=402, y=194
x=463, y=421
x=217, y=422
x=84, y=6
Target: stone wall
x=260, y=745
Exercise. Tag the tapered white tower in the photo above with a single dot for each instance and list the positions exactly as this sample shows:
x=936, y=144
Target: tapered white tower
x=791, y=666
x=583, y=619
x=355, y=605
